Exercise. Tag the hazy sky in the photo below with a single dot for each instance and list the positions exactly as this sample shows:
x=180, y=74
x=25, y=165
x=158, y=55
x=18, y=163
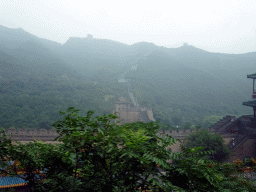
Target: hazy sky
x=226, y=26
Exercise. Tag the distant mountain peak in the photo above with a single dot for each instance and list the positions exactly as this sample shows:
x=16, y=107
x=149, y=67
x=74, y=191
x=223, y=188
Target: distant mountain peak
x=190, y=48
x=143, y=43
x=11, y=29
x=20, y=29
x=90, y=39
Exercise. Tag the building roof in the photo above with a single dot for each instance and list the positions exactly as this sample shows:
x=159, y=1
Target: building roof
x=15, y=182
x=250, y=103
x=252, y=76
x=12, y=182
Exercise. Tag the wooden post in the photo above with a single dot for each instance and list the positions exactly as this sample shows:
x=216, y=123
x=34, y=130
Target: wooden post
x=254, y=86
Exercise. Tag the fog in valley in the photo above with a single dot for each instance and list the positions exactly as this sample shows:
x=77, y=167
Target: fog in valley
x=179, y=75
x=188, y=61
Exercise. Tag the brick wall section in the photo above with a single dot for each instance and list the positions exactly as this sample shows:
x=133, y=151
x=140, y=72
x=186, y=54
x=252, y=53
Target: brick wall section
x=227, y=140
x=46, y=142
x=29, y=135
x=130, y=114
x=247, y=149
x=44, y=135
x=150, y=115
x=175, y=147
x=48, y=136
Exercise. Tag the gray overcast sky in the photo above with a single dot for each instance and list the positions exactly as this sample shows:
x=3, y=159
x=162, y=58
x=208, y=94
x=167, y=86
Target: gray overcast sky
x=226, y=26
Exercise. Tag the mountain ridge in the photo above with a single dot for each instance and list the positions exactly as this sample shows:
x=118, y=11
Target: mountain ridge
x=184, y=47
x=187, y=82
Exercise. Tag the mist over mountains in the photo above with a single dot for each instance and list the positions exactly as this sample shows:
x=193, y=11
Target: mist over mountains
x=39, y=77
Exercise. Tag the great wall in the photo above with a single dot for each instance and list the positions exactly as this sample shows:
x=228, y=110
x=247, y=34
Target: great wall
x=129, y=110
x=128, y=113
x=240, y=141
x=239, y=135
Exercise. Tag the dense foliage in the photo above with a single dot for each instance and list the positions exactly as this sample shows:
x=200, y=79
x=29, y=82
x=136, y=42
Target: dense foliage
x=102, y=150
x=35, y=104
x=214, y=142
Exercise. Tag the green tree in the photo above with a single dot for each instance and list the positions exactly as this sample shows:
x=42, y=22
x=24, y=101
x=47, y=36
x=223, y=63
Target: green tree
x=164, y=127
x=110, y=158
x=98, y=163
x=176, y=119
x=203, y=138
x=210, y=120
x=196, y=127
x=187, y=125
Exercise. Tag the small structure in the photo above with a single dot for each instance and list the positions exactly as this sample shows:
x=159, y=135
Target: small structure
x=252, y=103
x=89, y=36
x=253, y=76
x=128, y=112
x=18, y=184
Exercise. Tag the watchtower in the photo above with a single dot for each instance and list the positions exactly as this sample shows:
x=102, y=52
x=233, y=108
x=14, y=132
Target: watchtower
x=89, y=36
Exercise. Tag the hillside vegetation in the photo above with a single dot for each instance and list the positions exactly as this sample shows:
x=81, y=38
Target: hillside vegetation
x=183, y=85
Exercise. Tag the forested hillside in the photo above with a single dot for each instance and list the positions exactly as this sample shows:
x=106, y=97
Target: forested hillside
x=39, y=77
